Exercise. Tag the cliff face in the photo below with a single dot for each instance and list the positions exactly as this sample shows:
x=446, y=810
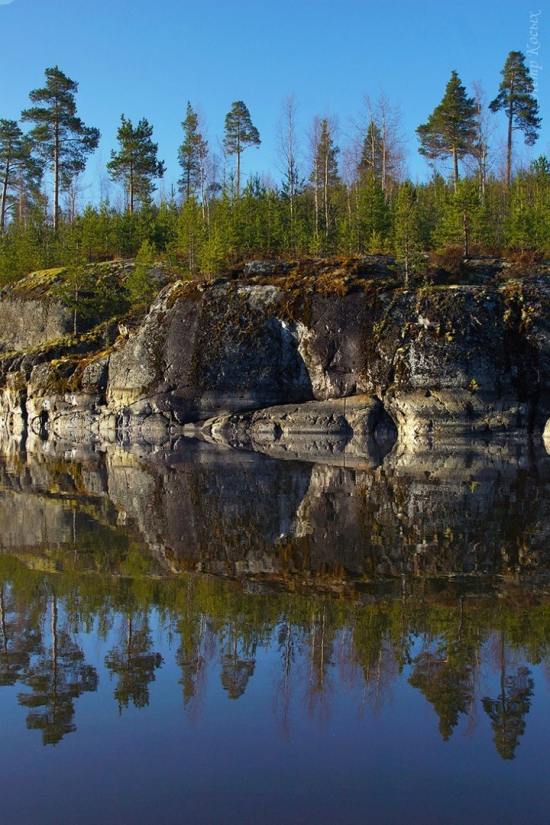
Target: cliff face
x=416, y=364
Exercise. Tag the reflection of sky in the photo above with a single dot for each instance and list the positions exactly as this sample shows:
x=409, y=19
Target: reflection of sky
x=235, y=762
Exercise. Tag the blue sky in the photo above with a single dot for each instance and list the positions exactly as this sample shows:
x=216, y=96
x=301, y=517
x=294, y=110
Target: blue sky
x=147, y=59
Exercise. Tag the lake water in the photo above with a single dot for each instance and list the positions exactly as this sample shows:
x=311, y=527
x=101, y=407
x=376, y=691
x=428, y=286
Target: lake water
x=211, y=636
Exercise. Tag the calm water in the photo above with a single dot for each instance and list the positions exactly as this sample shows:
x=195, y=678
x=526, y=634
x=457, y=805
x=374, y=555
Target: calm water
x=205, y=636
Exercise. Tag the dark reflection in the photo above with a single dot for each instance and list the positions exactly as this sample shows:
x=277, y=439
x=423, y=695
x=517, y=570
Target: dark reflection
x=20, y=640
x=507, y=711
x=445, y=672
x=471, y=512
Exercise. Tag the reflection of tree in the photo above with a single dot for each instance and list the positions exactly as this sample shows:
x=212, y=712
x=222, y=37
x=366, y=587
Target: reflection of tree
x=134, y=663
x=58, y=678
x=286, y=646
x=506, y=712
x=447, y=684
x=19, y=639
x=321, y=643
x=446, y=675
x=238, y=661
x=192, y=657
x=377, y=657
x=378, y=678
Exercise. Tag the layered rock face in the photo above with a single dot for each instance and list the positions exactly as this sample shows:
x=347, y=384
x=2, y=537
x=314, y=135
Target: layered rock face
x=417, y=364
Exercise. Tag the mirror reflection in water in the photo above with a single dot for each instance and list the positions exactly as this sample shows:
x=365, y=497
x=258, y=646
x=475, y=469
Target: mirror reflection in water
x=217, y=636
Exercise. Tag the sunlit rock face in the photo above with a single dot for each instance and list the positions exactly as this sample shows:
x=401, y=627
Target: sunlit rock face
x=438, y=362
x=199, y=354
x=461, y=360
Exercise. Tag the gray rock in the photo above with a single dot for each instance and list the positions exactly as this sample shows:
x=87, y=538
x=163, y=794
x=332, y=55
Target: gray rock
x=25, y=324
x=441, y=362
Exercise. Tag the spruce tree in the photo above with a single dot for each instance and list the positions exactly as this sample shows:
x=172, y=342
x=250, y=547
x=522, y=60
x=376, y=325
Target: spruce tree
x=136, y=164
x=325, y=179
x=371, y=162
x=240, y=133
x=407, y=230
x=450, y=131
x=60, y=137
x=515, y=98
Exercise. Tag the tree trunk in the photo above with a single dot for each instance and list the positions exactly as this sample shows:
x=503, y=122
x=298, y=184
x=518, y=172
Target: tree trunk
x=56, y=177
x=325, y=194
x=455, y=167
x=131, y=189
x=239, y=150
x=509, y=148
x=3, y=196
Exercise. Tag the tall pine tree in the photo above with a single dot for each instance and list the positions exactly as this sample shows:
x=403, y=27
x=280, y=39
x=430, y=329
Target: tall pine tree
x=450, y=131
x=60, y=137
x=192, y=157
x=240, y=133
x=515, y=98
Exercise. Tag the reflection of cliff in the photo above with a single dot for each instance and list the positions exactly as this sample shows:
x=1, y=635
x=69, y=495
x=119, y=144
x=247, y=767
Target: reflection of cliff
x=244, y=514
x=461, y=511
x=55, y=511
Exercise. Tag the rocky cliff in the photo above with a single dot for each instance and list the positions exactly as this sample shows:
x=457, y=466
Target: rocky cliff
x=286, y=355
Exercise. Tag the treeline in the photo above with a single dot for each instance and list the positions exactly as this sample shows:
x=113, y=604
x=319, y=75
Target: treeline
x=340, y=200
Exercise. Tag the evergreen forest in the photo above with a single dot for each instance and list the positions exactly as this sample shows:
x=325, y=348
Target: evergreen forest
x=328, y=196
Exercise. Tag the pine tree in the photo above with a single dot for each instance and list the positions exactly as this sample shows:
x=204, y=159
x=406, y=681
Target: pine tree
x=451, y=128
x=515, y=97
x=520, y=224
x=192, y=157
x=190, y=237
x=539, y=174
x=239, y=134
x=19, y=169
x=136, y=163
x=60, y=137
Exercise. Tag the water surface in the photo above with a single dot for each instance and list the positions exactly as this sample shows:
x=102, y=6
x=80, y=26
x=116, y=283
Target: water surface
x=211, y=636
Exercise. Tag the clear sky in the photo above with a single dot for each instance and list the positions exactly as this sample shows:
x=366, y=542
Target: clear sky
x=147, y=59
